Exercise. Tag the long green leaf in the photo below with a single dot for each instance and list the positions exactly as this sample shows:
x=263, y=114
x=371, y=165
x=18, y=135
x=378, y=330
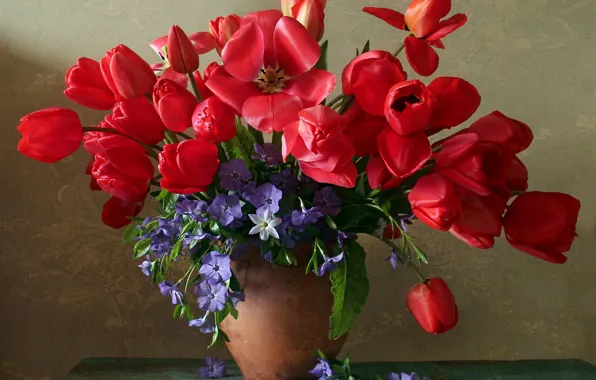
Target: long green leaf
x=322, y=64
x=350, y=287
x=240, y=147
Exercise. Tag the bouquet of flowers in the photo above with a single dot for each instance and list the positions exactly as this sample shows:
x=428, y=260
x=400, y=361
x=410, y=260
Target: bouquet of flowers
x=253, y=153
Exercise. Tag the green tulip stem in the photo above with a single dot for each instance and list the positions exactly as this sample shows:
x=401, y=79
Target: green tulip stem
x=194, y=86
x=335, y=100
x=399, y=50
x=182, y=134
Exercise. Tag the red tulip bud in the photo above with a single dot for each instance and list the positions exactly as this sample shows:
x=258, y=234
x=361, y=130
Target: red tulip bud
x=116, y=212
x=174, y=105
x=311, y=14
x=85, y=85
x=127, y=74
x=214, y=121
x=223, y=28
x=137, y=118
x=182, y=55
x=433, y=306
x=51, y=134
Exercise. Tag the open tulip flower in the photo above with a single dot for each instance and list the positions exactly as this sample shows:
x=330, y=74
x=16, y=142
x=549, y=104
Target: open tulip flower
x=252, y=150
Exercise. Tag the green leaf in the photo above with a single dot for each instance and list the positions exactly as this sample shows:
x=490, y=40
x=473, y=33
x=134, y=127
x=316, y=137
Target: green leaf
x=276, y=139
x=176, y=250
x=378, y=377
x=421, y=255
x=131, y=233
x=158, y=275
x=187, y=227
x=235, y=284
x=162, y=195
x=233, y=312
x=177, y=311
x=366, y=47
x=321, y=354
x=330, y=223
x=361, y=186
x=346, y=364
x=350, y=287
x=258, y=135
x=322, y=64
x=142, y=248
x=240, y=147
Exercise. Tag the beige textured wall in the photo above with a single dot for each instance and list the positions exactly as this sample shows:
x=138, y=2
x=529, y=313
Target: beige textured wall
x=69, y=289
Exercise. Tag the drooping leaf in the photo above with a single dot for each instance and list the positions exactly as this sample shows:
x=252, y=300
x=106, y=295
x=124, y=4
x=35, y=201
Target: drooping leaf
x=350, y=287
x=241, y=147
x=322, y=64
x=142, y=248
x=176, y=250
x=177, y=310
x=366, y=47
x=131, y=233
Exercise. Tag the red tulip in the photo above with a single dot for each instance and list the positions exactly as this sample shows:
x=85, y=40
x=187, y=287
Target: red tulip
x=404, y=155
x=423, y=20
x=310, y=13
x=116, y=212
x=214, y=121
x=123, y=170
x=85, y=85
x=137, y=118
x=223, y=28
x=213, y=70
x=475, y=165
x=50, y=134
x=174, y=104
x=363, y=130
x=456, y=100
x=498, y=128
x=127, y=74
x=320, y=145
x=88, y=170
x=91, y=140
x=370, y=76
x=542, y=224
x=270, y=60
x=181, y=52
x=189, y=166
x=435, y=202
x=408, y=107
x=433, y=306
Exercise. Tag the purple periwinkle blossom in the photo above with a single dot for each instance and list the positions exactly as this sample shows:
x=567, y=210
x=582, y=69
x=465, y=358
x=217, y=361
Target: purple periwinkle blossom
x=167, y=288
x=268, y=153
x=144, y=223
x=405, y=221
x=329, y=264
x=216, y=268
x=327, y=202
x=214, y=368
x=405, y=376
x=322, y=370
x=395, y=259
x=194, y=209
x=146, y=267
x=342, y=237
x=236, y=297
x=306, y=216
x=212, y=297
x=265, y=224
x=285, y=181
x=266, y=197
x=226, y=208
x=234, y=175
x=161, y=245
x=191, y=237
x=205, y=324
x=268, y=256
x=392, y=376
x=165, y=228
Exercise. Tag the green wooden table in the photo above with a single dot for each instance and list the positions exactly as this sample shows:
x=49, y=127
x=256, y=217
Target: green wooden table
x=187, y=369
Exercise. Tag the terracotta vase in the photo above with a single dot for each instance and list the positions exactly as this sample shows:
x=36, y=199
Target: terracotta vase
x=283, y=321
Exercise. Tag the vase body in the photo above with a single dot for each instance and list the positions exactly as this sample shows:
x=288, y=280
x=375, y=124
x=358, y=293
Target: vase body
x=283, y=321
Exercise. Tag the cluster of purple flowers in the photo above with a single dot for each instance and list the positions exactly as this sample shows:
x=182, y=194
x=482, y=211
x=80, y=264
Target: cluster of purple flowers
x=324, y=371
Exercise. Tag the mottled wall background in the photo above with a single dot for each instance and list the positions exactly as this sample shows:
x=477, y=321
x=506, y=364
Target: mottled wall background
x=70, y=289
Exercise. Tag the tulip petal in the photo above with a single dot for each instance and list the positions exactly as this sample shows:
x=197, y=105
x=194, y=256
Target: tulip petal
x=136, y=166
x=456, y=147
x=181, y=79
x=232, y=91
x=266, y=21
x=202, y=41
x=422, y=57
x=176, y=113
x=546, y=254
x=476, y=241
x=498, y=128
x=419, y=304
x=90, y=97
x=348, y=72
x=297, y=51
x=456, y=101
x=517, y=176
x=271, y=112
x=312, y=87
x=448, y=26
x=242, y=56
x=117, y=212
x=443, y=303
x=289, y=138
x=343, y=176
x=404, y=155
x=423, y=16
x=391, y=17
x=377, y=172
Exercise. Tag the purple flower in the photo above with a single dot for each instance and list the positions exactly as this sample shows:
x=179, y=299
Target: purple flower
x=268, y=256
x=213, y=369
x=248, y=190
x=342, y=237
x=191, y=237
x=212, y=297
x=161, y=245
x=194, y=209
x=216, y=268
x=322, y=370
x=167, y=288
x=405, y=376
x=226, y=208
x=395, y=259
x=329, y=264
x=165, y=228
x=266, y=197
x=405, y=221
x=268, y=153
x=144, y=223
x=205, y=324
x=392, y=376
x=306, y=217
x=288, y=233
x=146, y=267
x=236, y=297
x=233, y=175
x=327, y=202
x=265, y=224
x=285, y=181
